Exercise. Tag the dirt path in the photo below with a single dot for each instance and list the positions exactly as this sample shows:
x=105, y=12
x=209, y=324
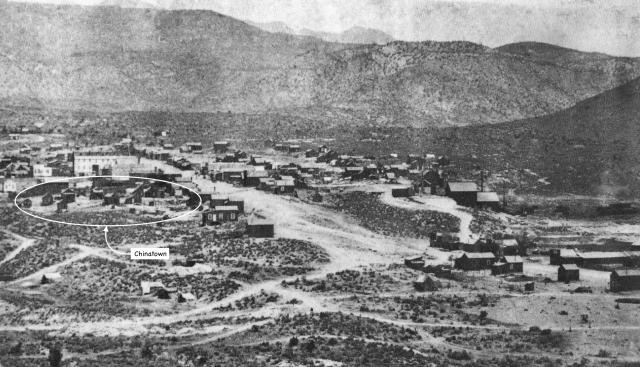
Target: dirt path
x=439, y=204
x=24, y=243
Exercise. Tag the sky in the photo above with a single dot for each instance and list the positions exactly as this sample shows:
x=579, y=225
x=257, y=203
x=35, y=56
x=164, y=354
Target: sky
x=608, y=26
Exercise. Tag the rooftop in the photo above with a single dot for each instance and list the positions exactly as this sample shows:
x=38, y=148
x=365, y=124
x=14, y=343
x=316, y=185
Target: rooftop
x=478, y=255
x=570, y=267
x=463, y=186
x=488, y=197
x=225, y=208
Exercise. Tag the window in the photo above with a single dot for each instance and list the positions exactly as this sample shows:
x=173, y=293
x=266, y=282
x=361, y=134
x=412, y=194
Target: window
x=210, y=216
x=232, y=216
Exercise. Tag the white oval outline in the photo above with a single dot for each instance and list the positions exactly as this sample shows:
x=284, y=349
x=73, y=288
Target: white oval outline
x=15, y=202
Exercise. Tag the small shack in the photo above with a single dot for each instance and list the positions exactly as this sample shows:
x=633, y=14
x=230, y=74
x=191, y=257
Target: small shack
x=61, y=205
x=185, y=297
x=415, y=263
x=148, y=286
x=507, y=247
x=624, y=280
x=111, y=198
x=260, y=229
x=424, y=283
x=514, y=263
x=568, y=273
x=220, y=146
x=47, y=199
x=403, y=192
x=68, y=196
x=507, y=265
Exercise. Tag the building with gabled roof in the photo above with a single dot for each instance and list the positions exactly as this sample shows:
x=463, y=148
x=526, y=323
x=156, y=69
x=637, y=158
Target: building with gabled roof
x=488, y=200
x=464, y=193
x=475, y=261
x=568, y=273
x=624, y=280
x=260, y=228
x=150, y=286
x=220, y=214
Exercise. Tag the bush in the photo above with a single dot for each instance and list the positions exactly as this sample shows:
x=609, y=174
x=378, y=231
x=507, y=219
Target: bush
x=293, y=342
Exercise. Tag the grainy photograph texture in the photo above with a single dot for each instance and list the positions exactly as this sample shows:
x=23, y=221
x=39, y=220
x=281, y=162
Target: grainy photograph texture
x=319, y=183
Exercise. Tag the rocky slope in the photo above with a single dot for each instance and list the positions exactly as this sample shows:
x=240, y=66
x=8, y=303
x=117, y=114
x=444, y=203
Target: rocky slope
x=113, y=59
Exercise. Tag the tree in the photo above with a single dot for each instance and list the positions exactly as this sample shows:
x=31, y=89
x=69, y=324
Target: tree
x=310, y=346
x=55, y=356
x=293, y=341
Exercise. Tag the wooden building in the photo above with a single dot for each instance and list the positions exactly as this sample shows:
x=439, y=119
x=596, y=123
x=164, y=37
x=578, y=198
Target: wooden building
x=294, y=148
x=416, y=263
x=514, y=264
x=220, y=214
x=218, y=200
x=47, y=199
x=220, y=146
x=284, y=187
x=464, y=193
x=624, y=280
x=488, y=200
x=508, y=247
x=260, y=229
x=568, y=273
x=563, y=256
x=253, y=178
x=475, y=261
x=403, y=192
x=237, y=203
x=194, y=147
x=61, y=205
x=68, y=195
x=96, y=194
x=111, y=198
x=507, y=265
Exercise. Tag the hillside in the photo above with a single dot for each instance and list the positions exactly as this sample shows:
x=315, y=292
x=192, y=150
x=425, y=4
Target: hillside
x=113, y=59
x=589, y=148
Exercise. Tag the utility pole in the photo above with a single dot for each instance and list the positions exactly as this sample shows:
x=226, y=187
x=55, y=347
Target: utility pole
x=504, y=194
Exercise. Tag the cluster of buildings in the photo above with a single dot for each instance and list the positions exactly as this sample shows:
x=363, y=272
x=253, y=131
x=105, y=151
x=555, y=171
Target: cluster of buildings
x=158, y=289
x=37, y=162
x=218, y=209
x=503, y=257
x=624, y=266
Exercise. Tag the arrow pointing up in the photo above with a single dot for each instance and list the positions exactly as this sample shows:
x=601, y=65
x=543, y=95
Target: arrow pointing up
x=106, y=230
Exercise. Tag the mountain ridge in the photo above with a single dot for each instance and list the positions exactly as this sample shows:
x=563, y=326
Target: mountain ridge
x=107, y=58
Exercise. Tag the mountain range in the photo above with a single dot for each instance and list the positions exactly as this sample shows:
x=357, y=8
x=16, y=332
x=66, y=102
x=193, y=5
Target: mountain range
x=354, y=35
x=113, y=59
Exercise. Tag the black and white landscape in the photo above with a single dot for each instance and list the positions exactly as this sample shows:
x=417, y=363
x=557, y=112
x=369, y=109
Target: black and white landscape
x=319, y=183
